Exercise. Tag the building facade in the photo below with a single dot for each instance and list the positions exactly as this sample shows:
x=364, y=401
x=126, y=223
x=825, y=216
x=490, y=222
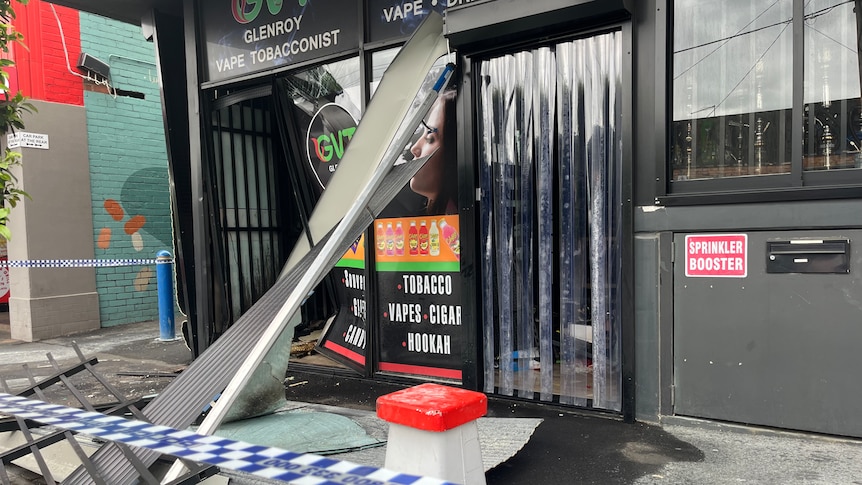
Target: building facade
x=128, y=169
x=651, y=213
x=99, y=184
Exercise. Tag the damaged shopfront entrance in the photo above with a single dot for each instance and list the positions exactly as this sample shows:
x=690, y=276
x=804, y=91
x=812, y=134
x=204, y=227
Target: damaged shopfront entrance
x=276, y=147
x=534, y=308
x=550, y=176
x=265, y=184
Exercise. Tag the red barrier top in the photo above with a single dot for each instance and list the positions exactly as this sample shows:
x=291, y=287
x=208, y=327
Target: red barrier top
x=432, y=407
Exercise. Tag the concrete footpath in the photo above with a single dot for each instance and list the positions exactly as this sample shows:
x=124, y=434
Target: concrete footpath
x=568, y=447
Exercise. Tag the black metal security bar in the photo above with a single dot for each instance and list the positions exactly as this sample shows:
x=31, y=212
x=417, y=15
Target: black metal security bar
x=246, y=176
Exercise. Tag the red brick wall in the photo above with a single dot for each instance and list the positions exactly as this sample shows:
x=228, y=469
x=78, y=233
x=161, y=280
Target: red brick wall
x=41, y=71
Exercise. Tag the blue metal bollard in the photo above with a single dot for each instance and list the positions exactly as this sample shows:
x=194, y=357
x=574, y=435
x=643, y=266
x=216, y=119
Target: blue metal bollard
x=165, y=282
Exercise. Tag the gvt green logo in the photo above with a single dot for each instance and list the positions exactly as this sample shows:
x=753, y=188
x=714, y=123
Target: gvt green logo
x=329, y=133
x=245, y=11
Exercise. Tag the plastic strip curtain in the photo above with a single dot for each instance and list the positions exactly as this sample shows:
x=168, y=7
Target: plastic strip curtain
x=544, y=101
x=520, y=147
x=596, y=63
x=550, y=154
x=497, y=176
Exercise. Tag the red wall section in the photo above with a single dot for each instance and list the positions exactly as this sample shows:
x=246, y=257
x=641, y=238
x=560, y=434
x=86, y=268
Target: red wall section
x=61, y=85
x=41, y=70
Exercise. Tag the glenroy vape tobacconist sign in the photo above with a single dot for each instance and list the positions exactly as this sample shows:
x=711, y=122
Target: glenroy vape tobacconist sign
x=716, y=255
x=247, y=37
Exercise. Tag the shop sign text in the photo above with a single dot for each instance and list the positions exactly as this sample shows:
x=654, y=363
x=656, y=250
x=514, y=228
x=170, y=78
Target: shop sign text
x=716, y=255
x=254, y=35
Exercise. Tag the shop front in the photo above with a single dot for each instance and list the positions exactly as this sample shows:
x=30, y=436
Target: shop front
x=640, y=208
x=499, y=265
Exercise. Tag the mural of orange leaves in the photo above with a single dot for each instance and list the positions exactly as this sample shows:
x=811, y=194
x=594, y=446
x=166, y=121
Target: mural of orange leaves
x=135, y=224
x=104, y=239
x=132, y=226
x=114, y=209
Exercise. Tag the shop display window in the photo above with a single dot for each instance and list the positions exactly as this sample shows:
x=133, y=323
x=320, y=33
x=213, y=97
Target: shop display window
x=326, y=108
x=752, y=98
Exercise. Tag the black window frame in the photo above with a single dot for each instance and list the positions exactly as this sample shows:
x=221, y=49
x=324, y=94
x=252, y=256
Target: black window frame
x=794, y=186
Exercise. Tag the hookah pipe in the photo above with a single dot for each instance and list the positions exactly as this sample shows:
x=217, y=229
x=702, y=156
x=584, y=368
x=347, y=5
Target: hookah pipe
x=759, y=132
x=826, y=141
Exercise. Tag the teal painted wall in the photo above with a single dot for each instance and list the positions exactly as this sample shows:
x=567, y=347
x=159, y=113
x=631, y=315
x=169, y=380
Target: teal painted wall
x=128, y=170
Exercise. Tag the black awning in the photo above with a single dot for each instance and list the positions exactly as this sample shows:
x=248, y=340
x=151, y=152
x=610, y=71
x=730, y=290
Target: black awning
x=483, y=23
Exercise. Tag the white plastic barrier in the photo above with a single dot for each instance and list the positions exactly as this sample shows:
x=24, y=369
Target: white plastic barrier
x=433, y=432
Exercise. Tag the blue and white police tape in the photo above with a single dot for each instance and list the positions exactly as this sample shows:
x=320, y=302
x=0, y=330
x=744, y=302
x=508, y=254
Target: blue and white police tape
x=78, y=263
x=262, y=461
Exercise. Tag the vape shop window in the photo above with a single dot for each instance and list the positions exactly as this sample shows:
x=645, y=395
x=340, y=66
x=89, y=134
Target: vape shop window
x=751, y=99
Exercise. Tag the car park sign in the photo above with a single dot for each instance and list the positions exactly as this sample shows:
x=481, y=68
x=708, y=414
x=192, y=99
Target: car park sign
x=716, y=255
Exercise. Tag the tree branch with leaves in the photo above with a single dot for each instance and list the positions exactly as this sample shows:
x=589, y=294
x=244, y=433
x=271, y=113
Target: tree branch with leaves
x=12, y=109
